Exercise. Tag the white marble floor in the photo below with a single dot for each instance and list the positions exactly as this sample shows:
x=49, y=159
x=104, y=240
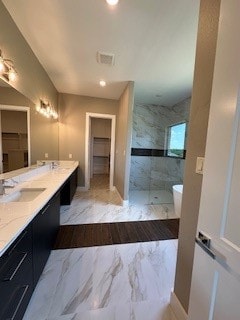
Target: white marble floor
x=127, y=281
x=150, y=197
x=99, y=204
x=117, y=282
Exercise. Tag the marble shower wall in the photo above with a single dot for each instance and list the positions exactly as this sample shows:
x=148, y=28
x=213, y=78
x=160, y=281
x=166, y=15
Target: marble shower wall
x=149, y=125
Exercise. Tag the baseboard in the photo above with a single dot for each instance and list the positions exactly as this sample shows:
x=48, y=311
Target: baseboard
x=176, y=308
x=123, y=202
x=82, y=189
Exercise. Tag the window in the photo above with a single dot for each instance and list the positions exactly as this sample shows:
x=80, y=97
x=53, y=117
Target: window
x=176, y=140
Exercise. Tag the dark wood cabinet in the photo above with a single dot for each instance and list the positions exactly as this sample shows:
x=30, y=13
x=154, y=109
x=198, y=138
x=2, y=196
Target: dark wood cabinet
x=69, y=188
x=45, y=226
x=16, y=277
x=22, y=264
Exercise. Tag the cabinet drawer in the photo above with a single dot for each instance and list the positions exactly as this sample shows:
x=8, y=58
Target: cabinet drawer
x=15, y=306
x=16, y=277
x=15, y=256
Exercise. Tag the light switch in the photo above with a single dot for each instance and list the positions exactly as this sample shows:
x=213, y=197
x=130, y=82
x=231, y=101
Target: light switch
x=199, y=165
x=70, y=156
x=46, y=155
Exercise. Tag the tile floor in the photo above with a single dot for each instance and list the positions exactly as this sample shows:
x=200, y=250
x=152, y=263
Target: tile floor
x=99, y=204
x=117, y=282
x=150, y=197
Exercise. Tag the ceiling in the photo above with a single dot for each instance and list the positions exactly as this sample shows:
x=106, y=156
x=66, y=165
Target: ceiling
x=153, y=42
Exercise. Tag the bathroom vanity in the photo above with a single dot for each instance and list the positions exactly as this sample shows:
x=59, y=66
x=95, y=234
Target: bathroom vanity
x=27, y=233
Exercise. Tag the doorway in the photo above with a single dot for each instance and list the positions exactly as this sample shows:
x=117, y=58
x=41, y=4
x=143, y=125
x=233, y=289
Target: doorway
x=15, y=138
x=99, y=147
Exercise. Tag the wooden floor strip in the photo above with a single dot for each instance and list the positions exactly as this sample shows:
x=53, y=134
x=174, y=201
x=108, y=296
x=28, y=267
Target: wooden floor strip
x=100, y=234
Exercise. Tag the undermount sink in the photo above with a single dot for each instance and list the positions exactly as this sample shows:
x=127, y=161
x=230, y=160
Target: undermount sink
x=23, y=195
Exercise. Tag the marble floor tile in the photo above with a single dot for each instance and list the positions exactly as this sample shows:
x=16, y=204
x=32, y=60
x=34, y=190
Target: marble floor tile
x=154, y=310
x=130, y=282
x=127, y=281
x=97, y=206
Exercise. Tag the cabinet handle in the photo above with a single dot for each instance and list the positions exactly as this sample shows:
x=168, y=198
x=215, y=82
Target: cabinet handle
x=44, y=210
x=17, y=243
x=8, y=277
x=20, y=294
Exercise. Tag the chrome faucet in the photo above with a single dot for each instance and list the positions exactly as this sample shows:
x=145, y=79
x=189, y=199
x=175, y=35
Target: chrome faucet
x=41, y=163
x=53, y=165
x=3, y=186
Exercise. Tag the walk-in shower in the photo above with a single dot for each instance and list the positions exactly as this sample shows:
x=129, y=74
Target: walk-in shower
x=158, y=152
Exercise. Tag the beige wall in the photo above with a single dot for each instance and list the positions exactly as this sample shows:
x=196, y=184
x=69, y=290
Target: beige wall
x=199, y=112
x=72, y=125
x=101, y=128
x=123, y=141
x=14, y=121
x=43, y=131
x=33, y=83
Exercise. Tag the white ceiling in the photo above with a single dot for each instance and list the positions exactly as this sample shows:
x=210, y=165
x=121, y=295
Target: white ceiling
x=153, y=42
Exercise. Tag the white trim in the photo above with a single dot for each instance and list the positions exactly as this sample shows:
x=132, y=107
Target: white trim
x=176, y=308
x=124, y=203
x=24, y=109
x=87, y=146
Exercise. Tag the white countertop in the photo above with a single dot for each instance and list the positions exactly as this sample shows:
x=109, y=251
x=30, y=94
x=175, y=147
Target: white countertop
x=15, y=216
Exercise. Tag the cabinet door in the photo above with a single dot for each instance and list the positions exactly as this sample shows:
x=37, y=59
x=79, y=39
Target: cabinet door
x=69, y=188
x=16, y=277
x=45, y=227
x=54, y=218
x=73, y=184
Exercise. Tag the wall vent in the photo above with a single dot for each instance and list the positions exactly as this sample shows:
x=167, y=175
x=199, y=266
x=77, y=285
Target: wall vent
x=105, y=58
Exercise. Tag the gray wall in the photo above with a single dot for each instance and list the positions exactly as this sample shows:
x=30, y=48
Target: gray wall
x=149, y=131
x=199, y=112
x=123, y=141
x=72, y=125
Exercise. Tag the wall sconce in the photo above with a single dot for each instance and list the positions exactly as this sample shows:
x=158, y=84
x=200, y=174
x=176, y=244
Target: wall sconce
x=47, y=110
x=7, y=69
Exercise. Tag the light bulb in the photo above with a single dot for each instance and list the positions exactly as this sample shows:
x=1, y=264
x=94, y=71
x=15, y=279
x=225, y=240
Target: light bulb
x=12, y=75
x=42, y=111
x=2, y=66
x=102, y=83
x=112, y=2
x=55, y=116
x=38, y=108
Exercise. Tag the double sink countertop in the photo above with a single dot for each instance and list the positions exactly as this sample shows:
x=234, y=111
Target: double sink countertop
x=16, y=215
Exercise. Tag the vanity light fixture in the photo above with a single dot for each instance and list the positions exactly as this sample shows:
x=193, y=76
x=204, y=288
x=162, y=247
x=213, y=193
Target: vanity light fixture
x=47, y=110
x=102, y=83
x=112, y=2
x=7, y=69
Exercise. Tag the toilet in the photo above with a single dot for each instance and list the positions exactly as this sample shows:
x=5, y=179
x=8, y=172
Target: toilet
x=177, y=198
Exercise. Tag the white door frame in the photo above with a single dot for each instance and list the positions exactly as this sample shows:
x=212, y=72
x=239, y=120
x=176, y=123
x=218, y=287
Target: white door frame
x=23, y=109
x=88, y=144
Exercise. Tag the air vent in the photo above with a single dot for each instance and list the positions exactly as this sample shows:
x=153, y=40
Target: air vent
x=105, y=58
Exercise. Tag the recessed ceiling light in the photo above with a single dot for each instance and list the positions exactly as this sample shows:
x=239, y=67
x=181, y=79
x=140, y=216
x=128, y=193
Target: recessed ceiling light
x=112, y=2
x=102, y=83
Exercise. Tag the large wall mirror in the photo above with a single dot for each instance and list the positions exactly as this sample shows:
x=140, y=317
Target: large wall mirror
x=15, y=150
x=26, y=136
